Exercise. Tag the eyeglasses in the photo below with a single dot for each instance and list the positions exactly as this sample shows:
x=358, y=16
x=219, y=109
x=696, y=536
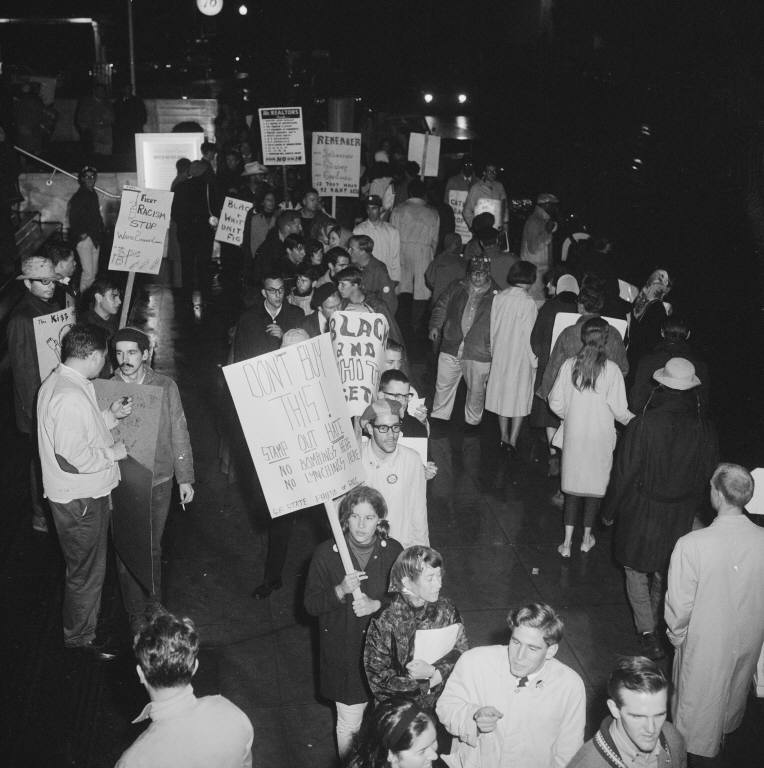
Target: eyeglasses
x=407, y=396
x=385, y=428
x=277, y=291
x=42, y=280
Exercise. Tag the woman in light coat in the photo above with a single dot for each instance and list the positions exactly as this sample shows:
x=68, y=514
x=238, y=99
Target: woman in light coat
x=589, y=396
x=513, y=364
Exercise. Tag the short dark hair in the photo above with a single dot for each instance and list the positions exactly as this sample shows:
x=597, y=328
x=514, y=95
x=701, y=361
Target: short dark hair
x=208, y=146
x=365, y=243
x=166, y=650
x=285, y=218
x=103, y=285
x=417, y=188
x=592, y=295
x=522, y=273
x=57, y=251
x=333, y=254
x=294, y=241
x=393, y=375
x=82, y=340
x=351, y=274
x=309, y=191
x=412, y=168
x=312, y=245
x=635, y=673
x=360, y=494
x=182, y=164
x=675, y=328
x=539, y=616
x=273, y=276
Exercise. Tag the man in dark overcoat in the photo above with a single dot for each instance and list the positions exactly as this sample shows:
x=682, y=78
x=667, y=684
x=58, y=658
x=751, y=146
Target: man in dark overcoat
x=659, y=483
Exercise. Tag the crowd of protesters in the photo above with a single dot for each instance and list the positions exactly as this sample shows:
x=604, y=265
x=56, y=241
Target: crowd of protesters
x=550, y=341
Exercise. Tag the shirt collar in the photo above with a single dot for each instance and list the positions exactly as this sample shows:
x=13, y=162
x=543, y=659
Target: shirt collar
x=183, y=701
x=630, y=755
x=275, y=314
x=76, y=375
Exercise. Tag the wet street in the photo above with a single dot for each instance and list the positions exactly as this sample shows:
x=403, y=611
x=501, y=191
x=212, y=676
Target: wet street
x=491, y=518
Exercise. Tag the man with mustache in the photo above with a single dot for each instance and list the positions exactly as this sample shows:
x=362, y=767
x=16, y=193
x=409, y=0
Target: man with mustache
x=173, y=458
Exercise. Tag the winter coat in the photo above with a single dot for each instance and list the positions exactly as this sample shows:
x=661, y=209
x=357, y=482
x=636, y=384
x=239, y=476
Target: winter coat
x=341, y=632
x=660, y=479
x=446, y=317
x=85, y=216
x=390, y=646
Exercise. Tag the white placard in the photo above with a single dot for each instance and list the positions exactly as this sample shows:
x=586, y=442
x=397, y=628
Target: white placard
x=564, y=320
x=627, y=291
x=756, y=505
x=49, y=332
x=157, y=153
x=142, y=224
x=456, y=200
x=282, y=135
x=231, y=222
x=359, y=339
x=424, y=148
x=431, y=645
x=296, y=424
x=336, y=163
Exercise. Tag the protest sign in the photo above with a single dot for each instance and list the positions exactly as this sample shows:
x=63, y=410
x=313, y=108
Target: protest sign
x=49, y=332
x=296, y=424
x=231, y=222
x=424, y=148
x=359, y=339
x=157, y=153
x=142, y=224
x=336, y=163
x=456, y=200
x=132, y=498
x=282, y=135
x=565, y=319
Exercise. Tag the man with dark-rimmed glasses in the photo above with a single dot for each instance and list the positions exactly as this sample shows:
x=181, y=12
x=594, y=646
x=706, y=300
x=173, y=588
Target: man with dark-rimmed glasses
x=396, y=472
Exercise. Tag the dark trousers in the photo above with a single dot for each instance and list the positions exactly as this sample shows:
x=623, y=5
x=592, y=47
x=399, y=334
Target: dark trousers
x=136, y=598
x=83, y=527
x=573, y=505
x=195, y=257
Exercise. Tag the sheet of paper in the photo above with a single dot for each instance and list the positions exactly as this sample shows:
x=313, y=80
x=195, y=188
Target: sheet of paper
x=756, y=505
x=433, y=644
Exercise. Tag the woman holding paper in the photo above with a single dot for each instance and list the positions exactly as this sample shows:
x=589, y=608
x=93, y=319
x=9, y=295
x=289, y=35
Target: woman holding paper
x=343, y=621
x=413, y=644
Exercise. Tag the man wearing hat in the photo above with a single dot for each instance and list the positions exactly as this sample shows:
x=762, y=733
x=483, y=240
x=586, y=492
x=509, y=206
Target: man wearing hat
x=485, y=245
x=173, y=458
x=461, y=322
x=255, y=175
x=396, y=472
x=658, y=484
x=40, y=279
x=324, y=302
x=86, y=226
x=385, y=237
x=536, y=245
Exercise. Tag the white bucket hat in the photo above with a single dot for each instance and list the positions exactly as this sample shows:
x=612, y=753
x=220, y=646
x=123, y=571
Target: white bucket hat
x=678, y=373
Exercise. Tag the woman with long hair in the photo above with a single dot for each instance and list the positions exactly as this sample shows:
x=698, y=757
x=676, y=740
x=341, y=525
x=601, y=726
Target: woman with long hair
x=397, y=734
x=342, y=618
x=589, y=396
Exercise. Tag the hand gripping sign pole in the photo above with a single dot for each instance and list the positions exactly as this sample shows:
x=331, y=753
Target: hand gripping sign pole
x=297, y=426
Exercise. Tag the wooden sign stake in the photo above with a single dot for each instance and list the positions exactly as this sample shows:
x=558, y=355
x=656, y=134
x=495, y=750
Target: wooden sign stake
x=339, y=540
x=126, y=299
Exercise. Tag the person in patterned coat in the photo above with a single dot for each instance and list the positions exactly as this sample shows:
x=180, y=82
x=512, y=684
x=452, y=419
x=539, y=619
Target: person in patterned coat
x=391, y=667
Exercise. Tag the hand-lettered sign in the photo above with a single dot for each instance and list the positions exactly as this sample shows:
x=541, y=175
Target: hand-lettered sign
x=296, y=424
x=359, y=340
x=231, y=222
x=142, y=224
x=456, y=200
x=336, y=163
x=282, y=135
x=49, y=332
x=563, y=320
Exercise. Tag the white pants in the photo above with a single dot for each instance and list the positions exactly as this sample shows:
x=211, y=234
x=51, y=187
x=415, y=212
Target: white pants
x=450, y=371
x=349, y=717
x=88, y=253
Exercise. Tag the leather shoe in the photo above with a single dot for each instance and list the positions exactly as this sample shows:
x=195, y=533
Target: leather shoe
x=265, y=589
x=100, y=651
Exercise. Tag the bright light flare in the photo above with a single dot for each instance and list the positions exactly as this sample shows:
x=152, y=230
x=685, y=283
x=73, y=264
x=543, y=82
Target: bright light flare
x=462, y=98
x=243, y=10
x=428, y=98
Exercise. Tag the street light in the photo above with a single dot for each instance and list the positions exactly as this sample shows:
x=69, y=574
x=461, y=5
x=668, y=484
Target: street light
x=243, y=10
x=428, y=97
x=462, y=98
